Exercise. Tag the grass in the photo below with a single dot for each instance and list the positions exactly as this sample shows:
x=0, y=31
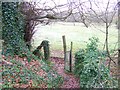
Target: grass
x=75, y=32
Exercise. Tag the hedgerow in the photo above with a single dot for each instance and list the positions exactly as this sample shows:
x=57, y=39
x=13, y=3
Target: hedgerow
x=91, y=69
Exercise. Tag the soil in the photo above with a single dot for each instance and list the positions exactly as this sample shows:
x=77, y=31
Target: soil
x=70, y=81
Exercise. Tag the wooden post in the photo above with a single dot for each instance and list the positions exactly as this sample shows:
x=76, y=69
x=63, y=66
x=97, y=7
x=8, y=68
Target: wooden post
x=71, y=57
x=64, y=47
x=45, y=45
x=46, y=50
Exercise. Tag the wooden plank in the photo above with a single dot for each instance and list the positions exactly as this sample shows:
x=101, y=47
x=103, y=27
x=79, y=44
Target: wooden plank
x=67, y=61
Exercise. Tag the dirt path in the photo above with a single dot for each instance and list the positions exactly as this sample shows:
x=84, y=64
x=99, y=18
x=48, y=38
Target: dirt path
x=70, y=81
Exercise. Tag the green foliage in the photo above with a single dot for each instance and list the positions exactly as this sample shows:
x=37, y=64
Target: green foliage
x=13, y=27
x=17, y=73
x=90, y=67
x=79, y=59
x=13, y=31
x=54, y=81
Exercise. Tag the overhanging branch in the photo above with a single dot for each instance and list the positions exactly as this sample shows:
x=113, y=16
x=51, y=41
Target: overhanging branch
x=49, y=17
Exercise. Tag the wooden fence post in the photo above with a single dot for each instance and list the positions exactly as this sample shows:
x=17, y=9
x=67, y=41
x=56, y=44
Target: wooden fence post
x=45, y=45
x=64, y=47
x=71, y=57
x=46, y=50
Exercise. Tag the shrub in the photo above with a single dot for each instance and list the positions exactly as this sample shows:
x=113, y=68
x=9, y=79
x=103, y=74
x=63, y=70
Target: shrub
x=90, y=67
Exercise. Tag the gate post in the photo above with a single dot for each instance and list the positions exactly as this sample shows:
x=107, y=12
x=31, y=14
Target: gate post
x=64, y=47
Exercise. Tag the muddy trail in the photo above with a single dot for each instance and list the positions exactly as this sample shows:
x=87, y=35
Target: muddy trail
x=69, y=79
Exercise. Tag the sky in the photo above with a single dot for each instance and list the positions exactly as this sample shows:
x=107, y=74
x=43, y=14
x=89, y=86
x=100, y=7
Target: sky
x=101, y=3
x=65, y=1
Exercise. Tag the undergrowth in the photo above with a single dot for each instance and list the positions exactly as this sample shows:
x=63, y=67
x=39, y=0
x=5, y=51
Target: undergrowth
x=91, y=69
x=13, y=31
x=17, y=73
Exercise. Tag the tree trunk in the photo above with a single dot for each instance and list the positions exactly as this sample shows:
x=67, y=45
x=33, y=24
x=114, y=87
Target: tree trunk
x=107, y=47
x=119, y=43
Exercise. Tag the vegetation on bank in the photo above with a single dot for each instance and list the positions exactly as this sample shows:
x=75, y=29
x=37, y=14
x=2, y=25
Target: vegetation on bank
x=14, y=71
x=91, y=67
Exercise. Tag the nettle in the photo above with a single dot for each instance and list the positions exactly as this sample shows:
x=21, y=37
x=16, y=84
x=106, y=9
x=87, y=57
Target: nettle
x=90, y=67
